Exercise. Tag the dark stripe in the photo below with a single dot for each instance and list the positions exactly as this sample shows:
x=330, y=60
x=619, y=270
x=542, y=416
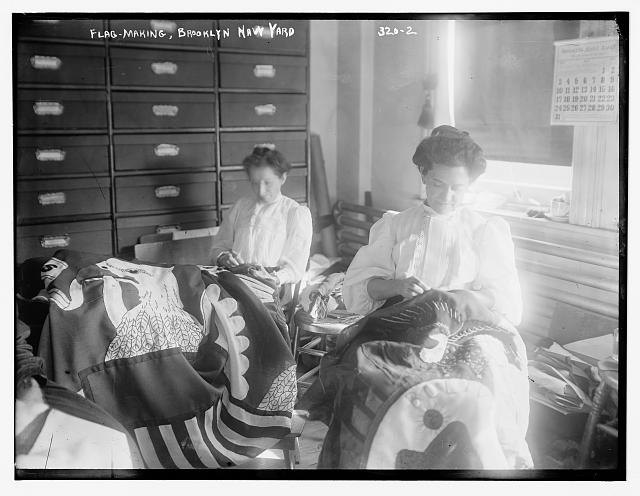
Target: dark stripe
x=186, y=445
x=222, y=459
x=253, y=431
x=249, y=451
x=27, y=437
x=352, y=430
x=162, y=452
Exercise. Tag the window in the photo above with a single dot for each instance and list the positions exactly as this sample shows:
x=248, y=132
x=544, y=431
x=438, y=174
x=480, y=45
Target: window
x=503, y=77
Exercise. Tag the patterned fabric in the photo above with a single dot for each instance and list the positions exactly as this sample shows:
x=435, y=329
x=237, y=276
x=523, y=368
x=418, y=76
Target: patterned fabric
x=190, y=360
x=414, y=387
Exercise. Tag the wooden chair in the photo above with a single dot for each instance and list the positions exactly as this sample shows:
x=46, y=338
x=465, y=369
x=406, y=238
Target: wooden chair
x=290, y=444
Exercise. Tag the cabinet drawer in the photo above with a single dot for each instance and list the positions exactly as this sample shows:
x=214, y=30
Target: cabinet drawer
x=263, y=110
x=263, y=72
x=60, y=64
x=51, y=155
x=163, y=110
x=148, y=31
x=261, y=35
x=236, y=185
x=45, y=239
x=236, y=146
x=59, y=28
x=131, y=228
x=59, y=197
x=139, y=67
x=160, y=192
x=56, y=109
x=164, y=151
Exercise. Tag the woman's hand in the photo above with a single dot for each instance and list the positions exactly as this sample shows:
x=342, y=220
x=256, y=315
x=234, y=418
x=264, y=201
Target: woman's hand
x=383, y=289
x=473, y=305
x=410, y=287
x=229, y=258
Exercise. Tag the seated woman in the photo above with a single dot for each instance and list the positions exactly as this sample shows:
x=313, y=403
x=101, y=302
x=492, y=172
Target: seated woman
x=267, y=229
x=440, y=244
x=437, y=380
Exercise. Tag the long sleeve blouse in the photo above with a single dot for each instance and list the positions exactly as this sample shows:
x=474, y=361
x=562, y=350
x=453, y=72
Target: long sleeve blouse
x=269, y=234
x=461, y=250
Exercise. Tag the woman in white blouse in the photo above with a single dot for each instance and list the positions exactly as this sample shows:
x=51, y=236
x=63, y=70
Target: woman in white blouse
x=440, y=243
x=267, y=229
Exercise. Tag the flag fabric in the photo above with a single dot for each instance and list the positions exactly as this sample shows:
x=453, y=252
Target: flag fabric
x=192, y=360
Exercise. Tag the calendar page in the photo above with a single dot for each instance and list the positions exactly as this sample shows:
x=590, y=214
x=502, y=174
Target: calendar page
x=585, y=88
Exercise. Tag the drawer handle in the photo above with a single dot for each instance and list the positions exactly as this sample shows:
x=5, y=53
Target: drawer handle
x=168, y=26
x=59, y=241
x=47, y=21
x=268, y=109
x=164, y=67
x=167, y=191
x=264, y=71
x=50, y=155
x=270, y=146
x=45, y=62
x=165, y=110
x=48, y=108
x=167, y=228
x=166, y=150
x=57, y=198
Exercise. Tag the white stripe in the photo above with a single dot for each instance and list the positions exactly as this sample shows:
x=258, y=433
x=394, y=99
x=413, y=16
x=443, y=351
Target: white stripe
x=146, y=447
x=166, y=431
x=256, y=420
x=240, y=440
x=231, y=455
x=199, y=445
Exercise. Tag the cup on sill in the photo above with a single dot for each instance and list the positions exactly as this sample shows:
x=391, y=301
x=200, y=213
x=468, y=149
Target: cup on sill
x=559, y=207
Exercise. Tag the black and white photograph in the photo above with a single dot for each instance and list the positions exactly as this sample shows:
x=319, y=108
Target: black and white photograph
x=320, y=246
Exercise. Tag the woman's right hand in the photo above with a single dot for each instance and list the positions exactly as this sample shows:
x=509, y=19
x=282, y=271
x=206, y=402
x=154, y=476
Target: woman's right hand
x=229, y=258
x=409, y=287
x=383, y=289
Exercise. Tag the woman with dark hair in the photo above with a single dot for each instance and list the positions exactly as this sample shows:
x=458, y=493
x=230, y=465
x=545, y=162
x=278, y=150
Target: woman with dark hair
x=440, y=244
x=267, y=229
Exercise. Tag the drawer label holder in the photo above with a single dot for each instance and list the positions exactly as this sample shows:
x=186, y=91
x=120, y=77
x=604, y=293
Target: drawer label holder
x=167, y=191
x=165, y=25
x=48, y=108
x=165, y=110
x=167, y=228
x=55, y=198
x=57, y=241
x=45, y=62
x=50, y=155
x=264, y=71
x=164, y=68
x=166, y=150
x=267, y=109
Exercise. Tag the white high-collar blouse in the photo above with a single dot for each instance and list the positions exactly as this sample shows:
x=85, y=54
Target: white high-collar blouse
x=269, y=234
x=461, y=250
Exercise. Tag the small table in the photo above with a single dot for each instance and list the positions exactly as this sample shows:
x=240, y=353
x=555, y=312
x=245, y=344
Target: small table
x=608, y=371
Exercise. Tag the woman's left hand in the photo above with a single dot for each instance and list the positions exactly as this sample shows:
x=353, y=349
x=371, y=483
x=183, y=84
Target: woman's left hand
x=471, y=307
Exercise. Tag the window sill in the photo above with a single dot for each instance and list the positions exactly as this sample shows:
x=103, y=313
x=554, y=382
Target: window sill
x=590, y=238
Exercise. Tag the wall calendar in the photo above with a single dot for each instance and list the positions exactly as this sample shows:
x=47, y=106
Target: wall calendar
x=585, y=81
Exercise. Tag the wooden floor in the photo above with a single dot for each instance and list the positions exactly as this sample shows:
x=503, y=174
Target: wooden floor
x=310, y=446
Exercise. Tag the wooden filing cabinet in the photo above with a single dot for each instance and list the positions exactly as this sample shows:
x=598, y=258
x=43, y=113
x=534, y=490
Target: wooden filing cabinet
x=120, y=138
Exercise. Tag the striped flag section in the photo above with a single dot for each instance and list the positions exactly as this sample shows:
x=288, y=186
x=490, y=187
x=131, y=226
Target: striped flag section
x=226, y=434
